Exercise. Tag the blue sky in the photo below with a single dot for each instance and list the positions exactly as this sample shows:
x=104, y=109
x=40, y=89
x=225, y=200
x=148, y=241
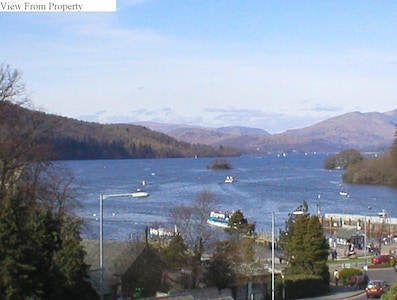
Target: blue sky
x=274, y=65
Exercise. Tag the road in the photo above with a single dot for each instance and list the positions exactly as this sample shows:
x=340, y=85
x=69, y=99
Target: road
x=387, y=274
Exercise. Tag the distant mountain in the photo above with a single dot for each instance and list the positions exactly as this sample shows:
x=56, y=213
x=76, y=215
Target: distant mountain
x=72, y=139
x=203, y=135
x=362, y=131
x=239, y=130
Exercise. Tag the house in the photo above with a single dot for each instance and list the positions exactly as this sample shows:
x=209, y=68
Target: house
x=129, y=268
x=350, y=235
x=135, y=270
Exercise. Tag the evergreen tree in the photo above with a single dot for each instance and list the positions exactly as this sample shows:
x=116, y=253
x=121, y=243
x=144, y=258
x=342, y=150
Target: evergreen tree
x=175, y=254
x=40, y=252
x=239, y=224
x=220, y=273
x=221, y=270
x=306, y=245
x=298, y=245
x=286, y=234
x=318, y=248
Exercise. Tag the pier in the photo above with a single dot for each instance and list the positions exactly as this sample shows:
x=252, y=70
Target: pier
x=376, y=226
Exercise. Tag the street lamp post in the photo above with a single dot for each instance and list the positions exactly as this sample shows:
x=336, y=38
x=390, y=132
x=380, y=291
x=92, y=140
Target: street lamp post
x=101, y=198
x=365, y=242
x=298, y=212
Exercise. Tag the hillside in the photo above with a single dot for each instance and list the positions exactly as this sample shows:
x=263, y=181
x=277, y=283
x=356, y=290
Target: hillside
x=72, y=139
x=363, y=131
x=223, y=136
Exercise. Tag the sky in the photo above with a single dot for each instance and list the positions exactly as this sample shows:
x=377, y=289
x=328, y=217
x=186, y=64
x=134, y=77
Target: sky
x=274, y=65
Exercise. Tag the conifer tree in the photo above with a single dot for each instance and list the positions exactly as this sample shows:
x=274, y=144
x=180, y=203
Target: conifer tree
x=40, y=252
x=221, y=270
x=176, y=254
x=306, y=246
x=298, y=246
x=286, y=234
x=239, y=224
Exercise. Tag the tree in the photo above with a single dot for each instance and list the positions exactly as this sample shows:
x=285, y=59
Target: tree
x=221, y=269
x=176, y=253
x=191, y=221
x=40, y=252
x=220, y=164
x=286, y=234
x=238, y=223
x=393, y=150
x=306, y=245
x=381, y=170
x=343, y=159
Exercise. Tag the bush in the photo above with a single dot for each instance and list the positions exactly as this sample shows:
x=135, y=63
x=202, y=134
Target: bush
x=302, y=286
x=347, y=276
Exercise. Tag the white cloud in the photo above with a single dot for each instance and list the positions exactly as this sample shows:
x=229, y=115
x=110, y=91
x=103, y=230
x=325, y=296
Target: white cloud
x=78, y=64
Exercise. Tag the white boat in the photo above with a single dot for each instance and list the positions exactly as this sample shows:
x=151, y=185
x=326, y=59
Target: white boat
x=229, y=179
x=219, y=219
x=139, y=194
x=342, y=192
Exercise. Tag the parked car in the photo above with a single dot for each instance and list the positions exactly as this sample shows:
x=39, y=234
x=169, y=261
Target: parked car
x=375, y=288
x=380, y=259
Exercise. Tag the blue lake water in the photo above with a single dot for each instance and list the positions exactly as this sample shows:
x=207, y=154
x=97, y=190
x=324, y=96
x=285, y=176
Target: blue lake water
x=264, y=183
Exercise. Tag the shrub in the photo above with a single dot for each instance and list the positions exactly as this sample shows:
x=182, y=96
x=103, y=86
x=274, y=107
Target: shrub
x=303, y=286
x=347, y=276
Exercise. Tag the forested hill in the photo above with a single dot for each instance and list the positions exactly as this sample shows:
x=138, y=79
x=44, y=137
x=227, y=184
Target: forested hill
x=72, y=139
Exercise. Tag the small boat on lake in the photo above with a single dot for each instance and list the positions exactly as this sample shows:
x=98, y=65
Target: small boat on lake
x=219, y=219
x=229, y=179
x=139, y=194
x=342, y=192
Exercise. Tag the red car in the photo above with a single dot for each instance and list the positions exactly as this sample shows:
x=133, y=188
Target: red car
x=375, y=288
x=380, y=259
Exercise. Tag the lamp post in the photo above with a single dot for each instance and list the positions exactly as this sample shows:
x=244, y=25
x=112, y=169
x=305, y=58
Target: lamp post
x=297, y=212
x=101, y=198
x=365, y=242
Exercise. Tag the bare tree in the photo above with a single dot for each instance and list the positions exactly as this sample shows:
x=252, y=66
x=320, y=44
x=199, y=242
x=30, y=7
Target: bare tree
x=21, y=132
x=192, y=220
x=41, y=240
x=12, y=88
x=183, y=218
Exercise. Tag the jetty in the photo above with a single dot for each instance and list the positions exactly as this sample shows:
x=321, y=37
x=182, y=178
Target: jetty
x=379, y=225
x=375, y=226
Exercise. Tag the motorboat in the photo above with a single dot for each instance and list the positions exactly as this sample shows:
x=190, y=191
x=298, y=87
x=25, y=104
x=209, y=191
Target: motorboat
x=229, y=179
x=139, y=194
x=344, y=193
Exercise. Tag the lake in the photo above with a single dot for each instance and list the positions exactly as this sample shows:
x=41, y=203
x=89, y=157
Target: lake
x=264, y=183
